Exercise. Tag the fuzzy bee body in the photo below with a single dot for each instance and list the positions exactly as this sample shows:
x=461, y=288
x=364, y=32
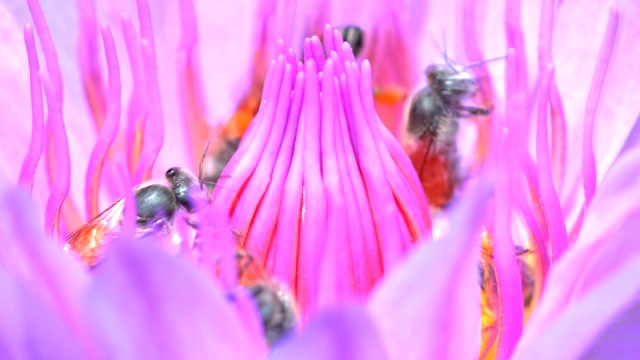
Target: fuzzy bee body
x=433, y=125
x=156, y=207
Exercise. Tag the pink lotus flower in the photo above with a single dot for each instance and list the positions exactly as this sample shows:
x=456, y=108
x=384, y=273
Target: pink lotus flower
x=314, y=150
x=143, y=302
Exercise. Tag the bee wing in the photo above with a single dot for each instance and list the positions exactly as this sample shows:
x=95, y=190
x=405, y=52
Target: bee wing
x=249, y=271
x=88, y=241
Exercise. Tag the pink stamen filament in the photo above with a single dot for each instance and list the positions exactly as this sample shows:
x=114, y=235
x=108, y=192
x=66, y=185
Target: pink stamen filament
x=154, y=129
x=510, y=304
x=338, y=270
x=518, y=103
x=192, y=97
x=265, y=227
x=314, y=222
x=110, y=128
x=550, y=201
x=469, y=29
x=547, y=15
x=380, y=198
x=138, y=105
x=288, y=165
x=55, y=126
x=515, y=41
x=604, y=58
x=404, y=194
x=36, y=143
x=356, y=188
x=559, y=136
x=88, y=58
x=537, y=221
x=258, y=185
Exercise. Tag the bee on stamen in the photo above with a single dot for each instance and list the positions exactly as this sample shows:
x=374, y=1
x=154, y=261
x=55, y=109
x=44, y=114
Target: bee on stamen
x=490, y=295
x=354, y=36
x=432, y=129
x=156, y=206
x=275, y=304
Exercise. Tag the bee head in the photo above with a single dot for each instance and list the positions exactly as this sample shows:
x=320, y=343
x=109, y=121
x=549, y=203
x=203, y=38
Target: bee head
x=188, y=190
x=451, y=82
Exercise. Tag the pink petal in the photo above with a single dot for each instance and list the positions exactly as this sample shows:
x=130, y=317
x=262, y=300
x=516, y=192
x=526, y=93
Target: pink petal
x=36, y=144
x=604, y=59
x=568, y=335
x=30, y=328
x=429, y=307
x=62, y=21
x=615, y=199
x=605, y=252
x=25, y=252
x=110, y=125
x=579, y=29
x=622, y=338
x=342, y=333
x=170, y=309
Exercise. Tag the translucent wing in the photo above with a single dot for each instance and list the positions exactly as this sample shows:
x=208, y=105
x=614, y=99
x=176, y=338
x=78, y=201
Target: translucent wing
x=249, y=271
x=88, y=242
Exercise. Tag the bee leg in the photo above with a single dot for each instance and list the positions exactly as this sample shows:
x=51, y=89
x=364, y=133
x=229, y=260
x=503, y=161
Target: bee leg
x=245, y=265
x=471, y=111
x=237, y=234
x=194, y=224
x=522, y=250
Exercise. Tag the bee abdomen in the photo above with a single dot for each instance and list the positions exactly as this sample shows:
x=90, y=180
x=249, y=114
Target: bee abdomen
x=276, y=310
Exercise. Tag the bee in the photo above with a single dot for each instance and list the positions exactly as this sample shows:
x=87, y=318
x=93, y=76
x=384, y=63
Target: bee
x=527, y=276
x=354, y=36
x=490, y=295
x=383, y=49
x=433, y=125
x=219, y=159
x=275, y=304
x=156, y=208
x=276, y=309
x=230, y=134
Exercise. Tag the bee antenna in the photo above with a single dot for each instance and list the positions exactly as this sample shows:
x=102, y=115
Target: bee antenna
x=447, y=61
x=434, y=42
x=484, y=62
x=444, y=49
x=214, y=183
x=204, y=155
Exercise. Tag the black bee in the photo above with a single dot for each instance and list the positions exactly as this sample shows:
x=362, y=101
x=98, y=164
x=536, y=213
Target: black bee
x=231, y=132
x=156, y=206
x=276, y=309
x=433, y=123
x=276, y=306
x=488, y=274
x=218, y=161
x=354, y=36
